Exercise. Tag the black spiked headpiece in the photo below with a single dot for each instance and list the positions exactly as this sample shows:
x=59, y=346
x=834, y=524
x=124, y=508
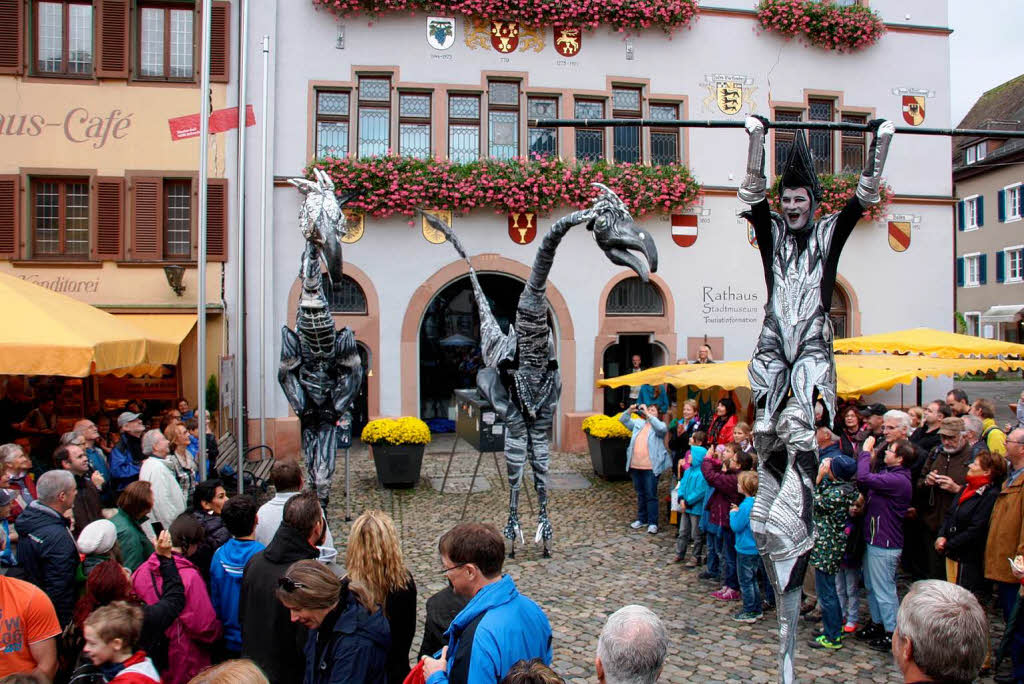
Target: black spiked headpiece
x=799, y=170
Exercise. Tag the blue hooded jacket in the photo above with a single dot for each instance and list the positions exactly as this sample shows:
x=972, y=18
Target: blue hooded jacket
x=226, y=570
x=693, y=487
x=497, y=628
x=739, y=521
x=354, y=652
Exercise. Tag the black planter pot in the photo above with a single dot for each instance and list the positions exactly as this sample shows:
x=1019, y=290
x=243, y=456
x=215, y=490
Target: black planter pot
x=608, y=456
x=398, y=465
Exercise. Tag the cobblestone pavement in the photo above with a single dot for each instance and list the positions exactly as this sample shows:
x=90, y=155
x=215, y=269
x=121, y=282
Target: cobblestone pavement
x=598, y=565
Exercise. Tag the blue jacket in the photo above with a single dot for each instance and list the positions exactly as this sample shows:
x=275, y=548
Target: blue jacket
x=226, y=584
x=125, y=462
x=48, y=556
x=356, y=651
x=693, y=487
x=655, y=441
x=739, y=521
x=497, y=628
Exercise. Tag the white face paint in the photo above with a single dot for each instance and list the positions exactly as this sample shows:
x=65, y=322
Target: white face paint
x=796, y=207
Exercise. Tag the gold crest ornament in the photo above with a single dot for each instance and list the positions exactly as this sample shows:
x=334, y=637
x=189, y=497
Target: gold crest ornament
x=730, y=93
x=354, y=220
x=478, y=33
x=531, y=38
x=432, y=235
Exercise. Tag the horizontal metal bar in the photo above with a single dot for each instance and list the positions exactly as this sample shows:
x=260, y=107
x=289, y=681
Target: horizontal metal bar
x=798, y=125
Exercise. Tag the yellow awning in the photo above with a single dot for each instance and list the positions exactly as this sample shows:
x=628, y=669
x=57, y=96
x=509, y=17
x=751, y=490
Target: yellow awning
x=945, y=345
x=47, y=333
x=164, y=334
x=857, y=375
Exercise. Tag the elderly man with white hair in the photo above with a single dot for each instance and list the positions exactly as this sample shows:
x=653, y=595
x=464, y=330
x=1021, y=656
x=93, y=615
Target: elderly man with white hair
x=632, y=647
x=168, y=499
x=941, y=634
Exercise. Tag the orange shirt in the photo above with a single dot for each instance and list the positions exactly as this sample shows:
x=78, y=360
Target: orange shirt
x=26, y=617
x=641, y=454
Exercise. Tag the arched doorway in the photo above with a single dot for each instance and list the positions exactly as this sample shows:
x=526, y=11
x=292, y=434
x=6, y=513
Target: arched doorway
x=449, y=338
x=618, y=360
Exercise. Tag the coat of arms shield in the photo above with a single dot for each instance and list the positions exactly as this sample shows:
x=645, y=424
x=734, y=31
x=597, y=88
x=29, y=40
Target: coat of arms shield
x=729, y=95
x=504, y=35
x=568, y=40
x=913, y=109
x=440, y=32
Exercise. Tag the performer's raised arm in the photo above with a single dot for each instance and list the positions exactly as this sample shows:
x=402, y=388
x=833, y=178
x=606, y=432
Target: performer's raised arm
x=752, y=189
x=868, y=189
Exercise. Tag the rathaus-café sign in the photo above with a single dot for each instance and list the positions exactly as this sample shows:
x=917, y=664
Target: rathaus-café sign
x=78, y=125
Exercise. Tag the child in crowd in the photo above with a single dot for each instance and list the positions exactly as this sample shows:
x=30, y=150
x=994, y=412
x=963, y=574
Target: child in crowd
x=239, y=516
x=722, y=475
x=111, y=634
x=747, y=558
x=692, y=490
x=849, y=574
x=742, y=435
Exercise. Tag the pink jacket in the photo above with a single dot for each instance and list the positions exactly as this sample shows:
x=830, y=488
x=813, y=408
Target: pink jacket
x=192, y=635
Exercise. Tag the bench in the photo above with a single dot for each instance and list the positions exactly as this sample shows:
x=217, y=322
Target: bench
x=258, y=468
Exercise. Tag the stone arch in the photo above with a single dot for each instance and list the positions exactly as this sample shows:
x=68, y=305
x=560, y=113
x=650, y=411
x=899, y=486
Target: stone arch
x=852, y=305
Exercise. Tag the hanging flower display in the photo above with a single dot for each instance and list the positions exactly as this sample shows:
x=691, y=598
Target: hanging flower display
x=400, y=185
x=826, y=25
x=836, y=191
x=635, y=14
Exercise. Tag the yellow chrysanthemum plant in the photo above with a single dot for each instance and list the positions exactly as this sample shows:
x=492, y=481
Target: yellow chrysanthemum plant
x=405, y=430
x=605, y=427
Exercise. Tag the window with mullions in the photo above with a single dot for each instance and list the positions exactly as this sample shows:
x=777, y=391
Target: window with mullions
x=463, y=128
x=374, y=116
x=60, y=217
x=783, y=139
x=664, y=141
x=165, y=42
x=589, y=141
x=63, y=38
x=502, y=119
x=332, y=123
x=543, y=141
x=626, y=105
x=820, y=142
x=347, y=297
x=177, y=219
x=854, y=144
x=632, y=296
x=414, y=125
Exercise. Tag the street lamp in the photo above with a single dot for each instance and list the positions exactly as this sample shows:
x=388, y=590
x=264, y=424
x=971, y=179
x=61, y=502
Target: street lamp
x=174, y=275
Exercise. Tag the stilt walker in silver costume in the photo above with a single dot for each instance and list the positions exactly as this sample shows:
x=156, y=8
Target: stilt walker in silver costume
x=793, y=363
x=520, y=375
x=320, y=369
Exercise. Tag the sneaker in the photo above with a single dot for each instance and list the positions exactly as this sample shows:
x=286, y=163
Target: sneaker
x=652, y=529
x=882, y=643
x=707, y=576
x=823, y=642
x=870, y=631
x=746, y=617
x=726, y=594
x=849, y=628
x=692, y=563
x=636, y=524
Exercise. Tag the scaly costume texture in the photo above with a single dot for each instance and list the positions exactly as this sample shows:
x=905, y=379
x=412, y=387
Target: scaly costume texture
x=793, y=363
x=520, y=375
x=320, y=370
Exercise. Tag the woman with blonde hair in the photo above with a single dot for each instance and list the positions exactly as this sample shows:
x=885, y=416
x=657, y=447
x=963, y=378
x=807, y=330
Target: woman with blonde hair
x=242, y=671
x=348, y=636
x=181, y=460
x=374, y=560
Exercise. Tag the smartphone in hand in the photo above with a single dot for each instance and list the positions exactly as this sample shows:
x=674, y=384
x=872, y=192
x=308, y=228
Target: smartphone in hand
x=157, y=528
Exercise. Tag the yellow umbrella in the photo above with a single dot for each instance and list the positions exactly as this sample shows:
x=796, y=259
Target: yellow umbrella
x=945, y=345
x=51, y=334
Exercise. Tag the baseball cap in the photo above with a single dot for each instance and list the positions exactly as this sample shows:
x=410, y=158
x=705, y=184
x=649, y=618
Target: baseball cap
x=843, y=467
x=873, y=410
x=126, y=418
x=951, y=426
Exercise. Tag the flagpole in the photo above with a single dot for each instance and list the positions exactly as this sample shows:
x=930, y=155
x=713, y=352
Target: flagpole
x=204, y=173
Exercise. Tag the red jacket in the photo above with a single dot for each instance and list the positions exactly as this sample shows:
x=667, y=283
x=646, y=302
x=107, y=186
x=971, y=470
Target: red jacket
x=137, y=670
x=719, y=433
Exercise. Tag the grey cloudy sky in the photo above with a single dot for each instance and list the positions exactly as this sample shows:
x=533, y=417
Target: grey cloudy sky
x=985, y=49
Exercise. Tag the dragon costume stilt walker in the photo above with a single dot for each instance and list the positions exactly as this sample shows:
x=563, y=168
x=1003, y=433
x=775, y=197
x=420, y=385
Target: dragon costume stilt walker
x=520, y=375
x=793, y=363
x=320, y=370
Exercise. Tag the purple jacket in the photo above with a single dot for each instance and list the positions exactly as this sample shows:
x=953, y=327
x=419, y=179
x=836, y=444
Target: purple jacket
x=887, y=495
x=192, y=635
x=725, y=493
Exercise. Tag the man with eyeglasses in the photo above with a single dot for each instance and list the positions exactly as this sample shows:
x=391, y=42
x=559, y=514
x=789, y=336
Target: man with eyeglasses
x=942, y=477
x=499, y=626
x=1006, y=541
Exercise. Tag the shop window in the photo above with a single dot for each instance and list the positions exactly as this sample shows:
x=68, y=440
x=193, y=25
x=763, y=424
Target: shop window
x=589, y=141
x=543, y=141
x=60, y=218
x=347, y=297
x=63, y=38
x=374, y=116
x=502, y=119
x=463, y=128
x=332, y=123
x=664, y=141
x=414, y=125
x=633, y=297
x=166, y=38
x=163, y=219
x=626, y=103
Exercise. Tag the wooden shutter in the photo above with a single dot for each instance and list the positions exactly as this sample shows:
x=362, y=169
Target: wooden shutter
x=12, y=35
x=147, y=219
x=109, y=218
x=980, y=204
x=220, y=41
x=10, y=216
x=959, y=271
x=1000, y=266
x=1001, y=204
x=961, y=216
x=217, y=219
x=112, y=38
x=982, y=269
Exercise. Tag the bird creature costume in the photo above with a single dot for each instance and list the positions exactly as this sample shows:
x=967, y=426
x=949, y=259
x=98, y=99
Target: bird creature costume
x=320, y=370
x=793, y=363
x=520, y=377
